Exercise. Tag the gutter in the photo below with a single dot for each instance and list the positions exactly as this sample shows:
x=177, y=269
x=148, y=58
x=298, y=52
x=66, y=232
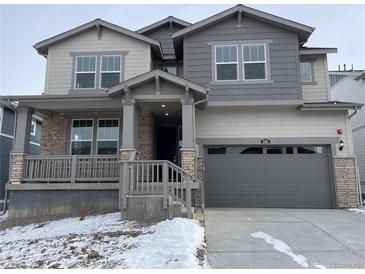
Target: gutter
x=354, y=113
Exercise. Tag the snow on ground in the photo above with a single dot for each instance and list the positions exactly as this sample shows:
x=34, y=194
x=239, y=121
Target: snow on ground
x=284, y=248
x=103, y=241
x=357, y=210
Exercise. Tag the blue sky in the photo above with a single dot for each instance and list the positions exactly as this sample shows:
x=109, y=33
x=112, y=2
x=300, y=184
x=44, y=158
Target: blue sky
x=23, y=70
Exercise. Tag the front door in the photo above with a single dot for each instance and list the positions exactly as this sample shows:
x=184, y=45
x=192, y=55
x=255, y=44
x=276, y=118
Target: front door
x=166, y=144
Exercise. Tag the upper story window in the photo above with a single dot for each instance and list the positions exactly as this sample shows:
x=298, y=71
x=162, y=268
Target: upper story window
x=226, y=61
x=254, y=62
x=110, y=70
x=306, y=72
x=81, y=136
x=33, y=128
x=85, y=72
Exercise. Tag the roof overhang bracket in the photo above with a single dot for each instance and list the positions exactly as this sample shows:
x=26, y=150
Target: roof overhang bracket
x=239, y=19
x=98, y=29
x=158, y=87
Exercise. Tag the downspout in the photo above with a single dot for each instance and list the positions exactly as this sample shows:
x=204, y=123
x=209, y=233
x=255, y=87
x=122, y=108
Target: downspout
x=194, y=104
x=194, y=129
x=356, y=166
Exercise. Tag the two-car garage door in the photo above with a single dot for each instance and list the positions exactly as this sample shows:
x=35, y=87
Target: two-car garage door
x=264, y=176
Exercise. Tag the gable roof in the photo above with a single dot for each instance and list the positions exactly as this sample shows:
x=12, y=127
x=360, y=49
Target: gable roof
x=169, y=19
x=304, y=31
x=42, y=46
x=140, y=79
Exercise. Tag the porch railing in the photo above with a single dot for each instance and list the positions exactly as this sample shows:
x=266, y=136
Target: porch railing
x=66, y=168
x=156, y=178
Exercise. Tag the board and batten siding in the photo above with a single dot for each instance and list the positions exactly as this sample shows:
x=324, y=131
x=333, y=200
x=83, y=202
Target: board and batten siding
x=60, y=63
x=283, y=58
x=318, y=91
x=262, y=122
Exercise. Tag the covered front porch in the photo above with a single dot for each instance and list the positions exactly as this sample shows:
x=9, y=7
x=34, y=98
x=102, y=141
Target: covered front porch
x=137, y=139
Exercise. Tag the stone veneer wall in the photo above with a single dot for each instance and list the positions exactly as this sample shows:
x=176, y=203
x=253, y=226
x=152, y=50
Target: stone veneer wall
x=146, y=135
x=54, y=134
x=17, y=163
x=188, y=160
x=347, y=189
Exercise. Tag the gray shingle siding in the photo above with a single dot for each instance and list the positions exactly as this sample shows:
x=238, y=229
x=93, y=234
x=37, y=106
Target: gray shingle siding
x=163, y=35
x=283, y=52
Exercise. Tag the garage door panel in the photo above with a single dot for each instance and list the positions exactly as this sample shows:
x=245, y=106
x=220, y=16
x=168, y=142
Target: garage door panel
x=268, y=180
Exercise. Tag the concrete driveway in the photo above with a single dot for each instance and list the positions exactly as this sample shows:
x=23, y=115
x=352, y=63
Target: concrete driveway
x=285, y=238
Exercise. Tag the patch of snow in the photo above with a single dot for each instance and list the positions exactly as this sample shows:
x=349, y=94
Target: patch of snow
x=103, y=241
x=284, y=248
x=281, y=247
x=320, y=266
x=357, y=210
x=173, y=244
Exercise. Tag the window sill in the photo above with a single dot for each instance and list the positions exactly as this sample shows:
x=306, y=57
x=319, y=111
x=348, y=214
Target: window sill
x=252, y=82
x=308, y=83
x=87, y=91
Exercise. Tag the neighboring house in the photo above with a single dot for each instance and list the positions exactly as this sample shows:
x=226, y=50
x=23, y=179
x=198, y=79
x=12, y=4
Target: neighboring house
x=349, y=86
x=232, y=111
x=7, y=126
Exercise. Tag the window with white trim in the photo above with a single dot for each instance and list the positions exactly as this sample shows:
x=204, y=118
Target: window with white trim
x=33, y=128
x=226, y=62
x=254, y=62
x=107, y=136
x=85, y=72
x=306, y=72
x=110, y=70
x=81, y=136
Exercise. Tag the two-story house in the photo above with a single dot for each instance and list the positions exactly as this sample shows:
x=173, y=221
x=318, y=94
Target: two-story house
x=231, y=111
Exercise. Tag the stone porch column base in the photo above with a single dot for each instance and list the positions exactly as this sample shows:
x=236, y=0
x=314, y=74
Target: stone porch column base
x=188, y=161
x=17, y=169
x=347, y=183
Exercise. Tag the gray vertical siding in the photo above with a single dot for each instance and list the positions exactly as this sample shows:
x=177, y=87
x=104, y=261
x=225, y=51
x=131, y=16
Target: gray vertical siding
x=8, y=122
x=283, y=52
x=6, y=144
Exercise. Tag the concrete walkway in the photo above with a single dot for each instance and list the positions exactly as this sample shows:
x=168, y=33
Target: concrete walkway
x=291, y=238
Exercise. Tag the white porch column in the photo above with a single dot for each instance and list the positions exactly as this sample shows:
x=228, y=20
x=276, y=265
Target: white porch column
x=129, y=135
x=188, y=157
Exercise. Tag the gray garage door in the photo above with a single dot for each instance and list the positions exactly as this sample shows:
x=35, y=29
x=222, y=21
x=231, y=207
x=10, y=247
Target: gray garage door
x=281, y=176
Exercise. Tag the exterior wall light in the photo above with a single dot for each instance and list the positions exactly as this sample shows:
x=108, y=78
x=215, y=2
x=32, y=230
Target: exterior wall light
x=163, y=106
x=339, y=131
x=341, y=145
x=166, y=114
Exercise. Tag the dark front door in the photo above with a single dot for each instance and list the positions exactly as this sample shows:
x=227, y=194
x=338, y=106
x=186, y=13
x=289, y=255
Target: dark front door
x=166, y=143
